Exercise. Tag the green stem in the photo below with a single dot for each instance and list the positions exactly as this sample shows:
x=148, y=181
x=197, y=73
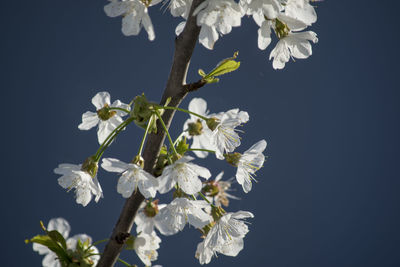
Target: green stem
x=204, y=197
x=111, y=137
x=125, y=263
x=120, y=109
x=201, y=149
x=183, y=110
x=166, y=131
x=144, y=136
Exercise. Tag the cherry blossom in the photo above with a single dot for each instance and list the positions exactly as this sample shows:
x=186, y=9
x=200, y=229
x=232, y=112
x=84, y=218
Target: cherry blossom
x=132, y=177
x=105, y=117
x=73, y=177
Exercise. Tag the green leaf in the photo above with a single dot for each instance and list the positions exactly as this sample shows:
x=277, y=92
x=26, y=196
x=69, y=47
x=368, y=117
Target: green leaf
x=225, y=66
x=58, y=238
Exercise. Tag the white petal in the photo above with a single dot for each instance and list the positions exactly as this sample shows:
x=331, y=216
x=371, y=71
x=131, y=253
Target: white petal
x=114, y=165
x=61, y=225
x=189, y=185
x=264, y=35
x=116, y=8
x=130, y=25
x=148, y=26
x=179, y=28
x=89, y=120
x=101, y=99
x=208, y=36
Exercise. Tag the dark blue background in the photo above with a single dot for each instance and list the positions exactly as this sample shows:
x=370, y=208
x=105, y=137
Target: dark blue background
x=328, y=194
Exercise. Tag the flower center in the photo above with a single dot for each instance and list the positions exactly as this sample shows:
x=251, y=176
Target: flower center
x=105, y=113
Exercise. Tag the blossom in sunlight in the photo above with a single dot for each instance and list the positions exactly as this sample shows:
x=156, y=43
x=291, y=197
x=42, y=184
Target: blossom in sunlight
x=224, y=137
x=294, y=45
x=301, y=10
x=196, y=128
x=73, y=177
x=185, y=174
x=229, y=226
x=180, y=211
x=132, y=177
x=135, y=15
x=180, y=8
x=217, y=17
x=146, y=246
x=105, y=116
x=62, y=226
x=231, y=248
x=148, y=217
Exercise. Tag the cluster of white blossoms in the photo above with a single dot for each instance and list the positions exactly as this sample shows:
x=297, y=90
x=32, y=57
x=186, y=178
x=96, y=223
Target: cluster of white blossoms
x=51, y=259
x=286, y=18
x=217, y=133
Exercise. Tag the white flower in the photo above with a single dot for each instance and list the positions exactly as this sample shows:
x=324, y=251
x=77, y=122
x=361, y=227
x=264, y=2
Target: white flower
x=226, y=229
x=135, y=15
x=180, y=8
x=231, y=248
x=224, y=137
x=72, y=176
x=132, y=177
x=217, y=17
x=294, y=45
x=107, y=119
x=260, y=9
x=301, y=10
x=146, y=247
x=180, y=211
x=197, y=127
x=147, y=219
x=62, y=226
x=250, y=162
x=185, y=174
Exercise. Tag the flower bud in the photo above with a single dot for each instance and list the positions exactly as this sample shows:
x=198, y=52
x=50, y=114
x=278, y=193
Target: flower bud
x=233, y=158
x=90, y=165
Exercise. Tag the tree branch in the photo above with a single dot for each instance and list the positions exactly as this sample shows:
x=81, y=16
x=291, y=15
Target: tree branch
x=184, y=46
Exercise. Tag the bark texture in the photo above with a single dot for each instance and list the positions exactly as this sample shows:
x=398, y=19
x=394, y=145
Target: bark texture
x=175, y=88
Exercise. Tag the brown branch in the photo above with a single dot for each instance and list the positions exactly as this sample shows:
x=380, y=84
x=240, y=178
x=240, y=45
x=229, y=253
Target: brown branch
x=184, y=46
x=194, y=86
